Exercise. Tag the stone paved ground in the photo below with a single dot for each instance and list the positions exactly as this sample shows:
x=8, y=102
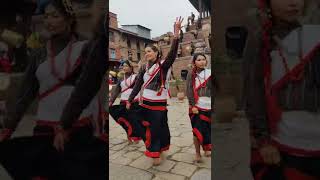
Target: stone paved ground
x=231, y=155
x=128, y=161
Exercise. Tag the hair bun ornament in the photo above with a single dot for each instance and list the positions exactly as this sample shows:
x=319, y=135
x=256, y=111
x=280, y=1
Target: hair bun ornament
x=156, y=46
x=68, y=7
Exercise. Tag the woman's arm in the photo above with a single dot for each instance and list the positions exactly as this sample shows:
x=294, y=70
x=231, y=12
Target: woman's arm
x=90, y=81
x=28, y=91
x=138, y=83
x=190, y=94
x=172, y=54
x=174, y=46
x=255, y=105
x=115, y=93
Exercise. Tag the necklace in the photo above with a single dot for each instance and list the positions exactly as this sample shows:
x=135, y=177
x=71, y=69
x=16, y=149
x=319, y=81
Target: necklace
x=202, y=84
x=126, y=82
x=148, y=69
x=53, y=60
x=285, y=60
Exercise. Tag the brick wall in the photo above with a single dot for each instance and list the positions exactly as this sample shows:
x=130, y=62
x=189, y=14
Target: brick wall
x=113, y=22
x=120, y=43
x=181, y=64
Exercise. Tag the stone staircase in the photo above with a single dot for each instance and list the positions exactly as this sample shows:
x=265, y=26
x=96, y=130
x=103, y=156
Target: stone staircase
x=199, y=39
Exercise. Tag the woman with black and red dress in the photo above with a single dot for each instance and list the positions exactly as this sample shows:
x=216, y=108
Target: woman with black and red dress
x=282, y=87
x=126, y=118
x=153, y=97
x=199, y=96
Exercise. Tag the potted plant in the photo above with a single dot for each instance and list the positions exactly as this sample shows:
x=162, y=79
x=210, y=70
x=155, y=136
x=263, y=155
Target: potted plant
x=180, y=86
x=177, y=88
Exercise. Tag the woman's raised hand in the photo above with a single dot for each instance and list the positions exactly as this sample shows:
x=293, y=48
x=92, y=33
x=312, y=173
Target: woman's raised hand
x=177, y=26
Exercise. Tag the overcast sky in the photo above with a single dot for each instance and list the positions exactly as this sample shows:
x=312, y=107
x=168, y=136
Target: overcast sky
x=157, y=15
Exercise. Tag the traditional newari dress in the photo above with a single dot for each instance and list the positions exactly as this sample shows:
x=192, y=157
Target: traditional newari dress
x=51, y=79
x=151, y=83
x=128, y=119
x=290, y=119
x=199, y=96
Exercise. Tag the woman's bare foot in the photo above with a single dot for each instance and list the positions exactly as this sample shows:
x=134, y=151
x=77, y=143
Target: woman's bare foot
x=196, y=142
x=197, y=158
x=207, y=153
x=156, y=161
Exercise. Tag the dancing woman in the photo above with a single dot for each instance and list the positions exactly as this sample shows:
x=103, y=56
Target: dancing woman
x=52, y=76
x=282, y=88
x=153, y=98
x=119, y=113
x=199, y=95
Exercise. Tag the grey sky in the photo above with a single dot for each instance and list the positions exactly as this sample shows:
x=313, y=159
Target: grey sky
x=157, y=15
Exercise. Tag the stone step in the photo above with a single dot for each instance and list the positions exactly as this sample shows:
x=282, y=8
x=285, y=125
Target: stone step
x=198, y=40
x=188, y=36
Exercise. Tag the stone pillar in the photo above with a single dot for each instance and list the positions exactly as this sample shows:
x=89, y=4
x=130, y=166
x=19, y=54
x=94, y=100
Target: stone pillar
x=200, y=8
x=206, y=11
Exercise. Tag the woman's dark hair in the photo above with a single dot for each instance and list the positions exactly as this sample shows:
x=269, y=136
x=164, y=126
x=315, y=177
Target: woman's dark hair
x=65, y=8
x=195, y=56
x=155, y=49
x=128, y=63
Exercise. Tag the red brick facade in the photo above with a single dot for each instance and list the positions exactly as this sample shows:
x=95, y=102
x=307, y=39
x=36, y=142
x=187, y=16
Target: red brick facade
x=122, y=43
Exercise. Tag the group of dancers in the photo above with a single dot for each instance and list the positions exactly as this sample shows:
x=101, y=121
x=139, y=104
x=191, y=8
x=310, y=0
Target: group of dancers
x=143, y=112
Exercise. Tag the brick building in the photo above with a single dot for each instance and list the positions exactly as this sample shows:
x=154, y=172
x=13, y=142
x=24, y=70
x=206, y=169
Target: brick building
x=127, y=42
x=196, y=38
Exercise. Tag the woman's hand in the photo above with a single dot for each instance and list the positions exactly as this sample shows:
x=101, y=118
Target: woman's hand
x=195, y=110
x=60, y=139
x=270, y=154
x=177, y=26
x=128, y=105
